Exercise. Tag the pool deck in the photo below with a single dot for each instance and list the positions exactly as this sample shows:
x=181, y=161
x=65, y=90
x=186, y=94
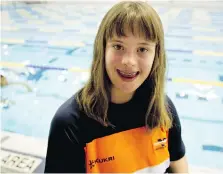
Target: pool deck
x=23, y=154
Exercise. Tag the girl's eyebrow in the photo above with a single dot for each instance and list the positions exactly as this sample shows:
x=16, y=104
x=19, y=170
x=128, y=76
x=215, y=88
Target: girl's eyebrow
x=116, y=40
x=141, y=43
x=147, y=43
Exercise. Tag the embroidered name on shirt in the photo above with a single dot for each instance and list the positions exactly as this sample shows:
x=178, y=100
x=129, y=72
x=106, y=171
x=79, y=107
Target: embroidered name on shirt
x=102, y=160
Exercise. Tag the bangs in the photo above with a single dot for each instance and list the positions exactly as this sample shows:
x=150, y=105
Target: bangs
x=133, y=21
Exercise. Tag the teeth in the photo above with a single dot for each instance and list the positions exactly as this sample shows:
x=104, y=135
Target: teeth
x=128, y=74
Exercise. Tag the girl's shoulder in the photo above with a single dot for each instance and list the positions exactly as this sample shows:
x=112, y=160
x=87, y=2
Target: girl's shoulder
x=67, y=113
x=171, y=108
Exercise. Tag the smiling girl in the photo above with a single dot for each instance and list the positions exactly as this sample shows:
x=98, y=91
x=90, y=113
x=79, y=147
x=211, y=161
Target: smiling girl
x=121, y=120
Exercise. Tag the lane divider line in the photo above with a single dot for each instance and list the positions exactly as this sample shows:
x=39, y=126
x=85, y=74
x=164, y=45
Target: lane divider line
x=77, y=69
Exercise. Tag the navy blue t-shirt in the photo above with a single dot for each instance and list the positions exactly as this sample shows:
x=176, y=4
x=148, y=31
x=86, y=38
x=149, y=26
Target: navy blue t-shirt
x=71, y=130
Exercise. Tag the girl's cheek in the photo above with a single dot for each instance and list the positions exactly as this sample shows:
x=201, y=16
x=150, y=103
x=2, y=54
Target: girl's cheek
x=113, y=58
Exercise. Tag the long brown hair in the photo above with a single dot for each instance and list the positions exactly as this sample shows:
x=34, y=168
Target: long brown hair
x=141, y=19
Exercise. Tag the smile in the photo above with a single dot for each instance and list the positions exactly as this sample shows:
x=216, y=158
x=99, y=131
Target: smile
x=128, y=75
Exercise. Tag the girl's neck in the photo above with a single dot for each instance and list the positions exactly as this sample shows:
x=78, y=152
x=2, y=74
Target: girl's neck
x=119, y=97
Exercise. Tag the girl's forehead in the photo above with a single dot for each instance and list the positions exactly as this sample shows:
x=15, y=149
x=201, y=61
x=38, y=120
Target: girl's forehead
x=127, y=31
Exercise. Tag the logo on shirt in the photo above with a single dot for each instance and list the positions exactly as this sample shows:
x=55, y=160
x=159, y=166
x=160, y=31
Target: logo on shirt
x=160, y=144
x=92, y=163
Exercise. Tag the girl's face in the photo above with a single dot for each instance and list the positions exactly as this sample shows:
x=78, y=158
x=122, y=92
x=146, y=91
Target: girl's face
x=128, y=63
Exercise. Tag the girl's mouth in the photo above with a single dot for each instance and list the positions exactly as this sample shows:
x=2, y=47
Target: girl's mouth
x=127, y=75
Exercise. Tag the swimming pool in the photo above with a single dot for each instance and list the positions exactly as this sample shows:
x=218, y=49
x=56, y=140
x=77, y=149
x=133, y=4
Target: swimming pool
x=49, y=48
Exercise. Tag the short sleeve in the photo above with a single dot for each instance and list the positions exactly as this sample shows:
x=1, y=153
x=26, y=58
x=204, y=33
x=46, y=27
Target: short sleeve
x=65, y=152
x=176, y=145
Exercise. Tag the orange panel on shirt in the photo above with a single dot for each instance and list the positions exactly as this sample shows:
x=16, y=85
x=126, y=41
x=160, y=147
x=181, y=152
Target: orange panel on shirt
x=127, y=151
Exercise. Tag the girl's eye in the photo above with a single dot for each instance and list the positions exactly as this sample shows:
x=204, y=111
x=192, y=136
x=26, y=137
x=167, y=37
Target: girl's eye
x=142, y=50
x=118, y=47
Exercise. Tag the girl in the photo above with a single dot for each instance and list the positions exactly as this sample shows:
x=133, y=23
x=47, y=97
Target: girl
x=121, y=120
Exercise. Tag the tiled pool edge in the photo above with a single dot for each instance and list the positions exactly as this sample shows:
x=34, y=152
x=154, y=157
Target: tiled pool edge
x=21, y=153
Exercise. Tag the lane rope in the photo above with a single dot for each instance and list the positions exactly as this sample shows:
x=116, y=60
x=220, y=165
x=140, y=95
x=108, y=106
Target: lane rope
x=77, y=69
